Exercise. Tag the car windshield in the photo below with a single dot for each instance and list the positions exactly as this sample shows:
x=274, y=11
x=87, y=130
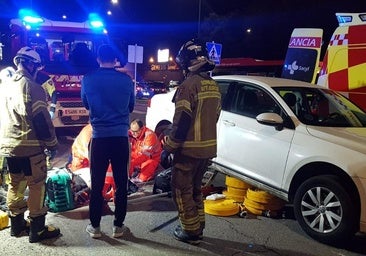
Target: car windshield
x=322, y=107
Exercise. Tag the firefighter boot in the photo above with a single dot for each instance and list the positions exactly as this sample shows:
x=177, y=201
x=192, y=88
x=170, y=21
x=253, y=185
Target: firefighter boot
x=18, y=225
x=39, y=231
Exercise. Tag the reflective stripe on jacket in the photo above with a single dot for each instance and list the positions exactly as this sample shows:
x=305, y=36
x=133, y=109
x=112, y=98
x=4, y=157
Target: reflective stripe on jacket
x=197, y=109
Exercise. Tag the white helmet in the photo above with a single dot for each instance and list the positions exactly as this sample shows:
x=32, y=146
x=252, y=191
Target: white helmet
x=27, y=54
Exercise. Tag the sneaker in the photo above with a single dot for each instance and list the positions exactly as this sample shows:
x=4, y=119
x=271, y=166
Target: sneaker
x=183, y=236
x=93, y=232
x=118, y=231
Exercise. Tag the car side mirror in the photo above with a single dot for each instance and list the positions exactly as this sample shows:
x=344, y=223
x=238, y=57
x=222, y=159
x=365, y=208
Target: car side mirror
x=271, y=119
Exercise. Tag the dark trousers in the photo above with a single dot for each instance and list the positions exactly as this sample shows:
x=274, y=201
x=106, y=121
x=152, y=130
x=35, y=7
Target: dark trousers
x=105, y=151
x=186, y=182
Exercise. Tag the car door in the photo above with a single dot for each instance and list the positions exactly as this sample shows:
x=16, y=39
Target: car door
x=246, y=146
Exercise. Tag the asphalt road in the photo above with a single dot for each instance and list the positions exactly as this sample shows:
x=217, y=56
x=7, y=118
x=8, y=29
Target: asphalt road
x=151, y=222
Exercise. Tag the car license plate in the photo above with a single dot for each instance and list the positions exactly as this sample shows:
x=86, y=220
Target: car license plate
x=72, y=112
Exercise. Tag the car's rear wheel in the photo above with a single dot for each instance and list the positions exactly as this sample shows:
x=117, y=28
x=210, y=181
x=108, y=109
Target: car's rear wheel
x=324, y=210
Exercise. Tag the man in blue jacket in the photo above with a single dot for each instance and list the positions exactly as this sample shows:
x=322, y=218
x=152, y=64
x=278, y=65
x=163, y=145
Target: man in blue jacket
x=109, y=96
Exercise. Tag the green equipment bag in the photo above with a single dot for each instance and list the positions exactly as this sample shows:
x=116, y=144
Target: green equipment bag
x=59, y=195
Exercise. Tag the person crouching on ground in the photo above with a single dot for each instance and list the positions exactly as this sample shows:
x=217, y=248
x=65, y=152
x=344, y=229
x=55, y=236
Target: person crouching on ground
x=145, y=152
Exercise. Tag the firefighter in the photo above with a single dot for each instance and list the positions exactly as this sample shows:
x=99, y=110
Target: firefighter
x=192, y=139
x=145, y=152
x=26, y=132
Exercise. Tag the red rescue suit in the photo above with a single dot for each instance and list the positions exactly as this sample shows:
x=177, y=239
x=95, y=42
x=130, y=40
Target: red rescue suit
x=145, y=154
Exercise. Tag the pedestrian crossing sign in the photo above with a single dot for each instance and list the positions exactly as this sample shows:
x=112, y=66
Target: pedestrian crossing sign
x=214, y=51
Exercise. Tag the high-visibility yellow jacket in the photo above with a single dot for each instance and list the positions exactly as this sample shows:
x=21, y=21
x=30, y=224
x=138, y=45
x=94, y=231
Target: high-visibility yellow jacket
x=26, y=128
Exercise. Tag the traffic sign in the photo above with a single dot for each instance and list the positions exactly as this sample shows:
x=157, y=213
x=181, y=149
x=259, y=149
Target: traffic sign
x=135, y=54
x=214, y=51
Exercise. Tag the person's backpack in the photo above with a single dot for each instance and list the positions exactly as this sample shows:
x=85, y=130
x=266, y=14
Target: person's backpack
x=59, y=194
x=162, y=181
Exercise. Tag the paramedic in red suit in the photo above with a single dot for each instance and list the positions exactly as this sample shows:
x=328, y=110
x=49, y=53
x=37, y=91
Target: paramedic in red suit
x=145, y=152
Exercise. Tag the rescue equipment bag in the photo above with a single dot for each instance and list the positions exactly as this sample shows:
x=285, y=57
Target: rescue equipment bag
x=162, y=181
x=59, y=195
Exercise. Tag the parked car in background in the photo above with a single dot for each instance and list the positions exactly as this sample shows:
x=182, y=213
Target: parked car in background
x=143, y=91
x=174, y=83
x=157, y=87
x=303, y=143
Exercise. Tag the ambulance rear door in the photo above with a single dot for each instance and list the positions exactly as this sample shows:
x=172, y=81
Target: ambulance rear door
x=303, y=53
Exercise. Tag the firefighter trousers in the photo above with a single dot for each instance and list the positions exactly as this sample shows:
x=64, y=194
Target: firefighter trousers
x=186, y=182
x=26, y=172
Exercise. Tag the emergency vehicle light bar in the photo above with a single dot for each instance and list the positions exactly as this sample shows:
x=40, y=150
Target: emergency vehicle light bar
x=347, y=19
x=31, y=19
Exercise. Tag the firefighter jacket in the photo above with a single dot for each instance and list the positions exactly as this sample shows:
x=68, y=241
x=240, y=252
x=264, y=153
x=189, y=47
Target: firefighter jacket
x=26, y=128
x=144, y=147
x=197, y=109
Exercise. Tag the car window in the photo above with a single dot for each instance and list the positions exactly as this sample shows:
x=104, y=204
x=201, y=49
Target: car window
x=223, y=88
x=247, y=99
x=321, y=107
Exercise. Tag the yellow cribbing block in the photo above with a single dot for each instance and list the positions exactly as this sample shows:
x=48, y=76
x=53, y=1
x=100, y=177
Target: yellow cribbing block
x=222, y=207
x=236, y=183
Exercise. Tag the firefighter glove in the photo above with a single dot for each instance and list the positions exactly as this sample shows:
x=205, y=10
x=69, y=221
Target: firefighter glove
x=51, y=153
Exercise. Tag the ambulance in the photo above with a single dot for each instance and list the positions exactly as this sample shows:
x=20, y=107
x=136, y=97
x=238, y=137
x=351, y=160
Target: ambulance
x=344, y=64
x=57, y=41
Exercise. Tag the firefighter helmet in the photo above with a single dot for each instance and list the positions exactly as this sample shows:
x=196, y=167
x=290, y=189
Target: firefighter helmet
x=27, y=54
x=193, y=56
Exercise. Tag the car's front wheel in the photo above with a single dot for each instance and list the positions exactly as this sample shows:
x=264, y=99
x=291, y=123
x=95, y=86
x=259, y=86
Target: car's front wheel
x=324, y=210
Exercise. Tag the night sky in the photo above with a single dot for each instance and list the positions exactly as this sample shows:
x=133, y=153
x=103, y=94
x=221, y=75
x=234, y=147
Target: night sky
x=169, y=23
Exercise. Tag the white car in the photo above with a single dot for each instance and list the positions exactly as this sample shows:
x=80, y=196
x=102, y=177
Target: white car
x=301, y=142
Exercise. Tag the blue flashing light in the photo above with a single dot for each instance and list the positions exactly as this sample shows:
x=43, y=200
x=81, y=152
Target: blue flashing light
x=344, y=19
x=95, y=21
x=29, y=16
x=32, y=19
